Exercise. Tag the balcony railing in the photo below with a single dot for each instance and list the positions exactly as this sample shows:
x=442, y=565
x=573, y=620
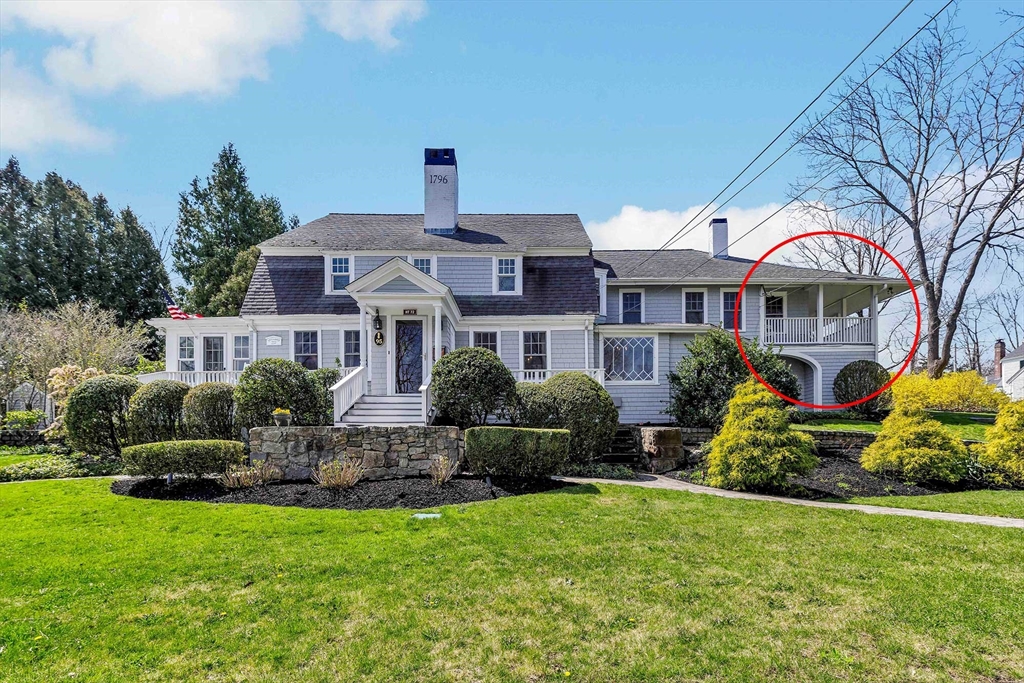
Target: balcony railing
x=194, y=378
x=541, y=375
x=849, y=330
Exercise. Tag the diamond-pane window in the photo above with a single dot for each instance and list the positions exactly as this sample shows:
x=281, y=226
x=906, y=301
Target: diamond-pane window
x=629, y=359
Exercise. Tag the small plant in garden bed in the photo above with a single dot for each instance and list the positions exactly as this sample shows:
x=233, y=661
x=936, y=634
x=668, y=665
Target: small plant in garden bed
x=442, y=470
x=337, y=475
x=61, y=464
x=259, y=473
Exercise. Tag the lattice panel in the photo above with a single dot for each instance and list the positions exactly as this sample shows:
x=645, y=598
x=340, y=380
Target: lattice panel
x=629, y=359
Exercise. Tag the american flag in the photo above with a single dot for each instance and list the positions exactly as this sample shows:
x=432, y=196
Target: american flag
x=175, y=311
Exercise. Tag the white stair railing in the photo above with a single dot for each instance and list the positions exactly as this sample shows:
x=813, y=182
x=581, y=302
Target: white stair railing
x=348, y=390
x=427, y=399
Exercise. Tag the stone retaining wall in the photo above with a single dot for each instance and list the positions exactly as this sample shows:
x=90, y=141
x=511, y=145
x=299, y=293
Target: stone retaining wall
x=20, y=437
x=847, y=445
x=384, y=452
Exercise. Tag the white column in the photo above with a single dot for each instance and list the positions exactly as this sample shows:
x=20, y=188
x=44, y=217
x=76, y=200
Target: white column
x=437, y=334
x=873, y=317
x=821, y=313
x=362, y=336
x=586, y=347
x=762, y=300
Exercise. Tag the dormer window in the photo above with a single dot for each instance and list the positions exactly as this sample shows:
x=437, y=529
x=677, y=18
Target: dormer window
x=507, y=276
x=422, y=265
x=340, y=273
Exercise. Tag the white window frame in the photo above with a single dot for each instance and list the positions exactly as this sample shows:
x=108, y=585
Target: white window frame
x=195, y=352
x=495, y=330
x=319, y=343
x=602, y=275
x=522, y=349
x=695, y=291
x=631, y=383
x=643, y=305
x=252, y=346
x=519, y=275
x=743, y=308
x=341, y=346
x=785, y=303
x=201, y=352
x=328, y=275
x=411, y=258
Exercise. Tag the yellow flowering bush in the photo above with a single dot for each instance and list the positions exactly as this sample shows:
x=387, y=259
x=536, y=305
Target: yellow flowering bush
x=915, y=447
x=1005, y=448
x=958, y=392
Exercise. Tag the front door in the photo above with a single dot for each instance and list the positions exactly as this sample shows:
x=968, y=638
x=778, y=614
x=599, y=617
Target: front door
x=408, y=356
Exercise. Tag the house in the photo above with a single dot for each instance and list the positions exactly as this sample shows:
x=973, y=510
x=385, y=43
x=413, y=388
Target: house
x=382, y=296
x=27, y=396
x=1008, y=375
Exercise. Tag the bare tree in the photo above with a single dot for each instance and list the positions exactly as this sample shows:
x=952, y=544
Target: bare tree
x=942, y=155
x=1007, y=307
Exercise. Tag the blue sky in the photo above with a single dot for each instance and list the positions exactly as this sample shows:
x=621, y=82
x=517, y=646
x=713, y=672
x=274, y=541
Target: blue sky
x=567, y=107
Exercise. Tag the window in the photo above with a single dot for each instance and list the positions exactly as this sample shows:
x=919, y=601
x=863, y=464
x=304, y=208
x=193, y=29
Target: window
x=422, y=265
x=339, y=273
x=213, y=354
x=351, y=352
x=535, y=350
x=629, y=359
x=632, y=307
x=306, y=350
x=486, y=340
x=506, y=275
x=186, y=354
x=774, y=307
x=242, y=356
x=693, y=308
x=731, y=304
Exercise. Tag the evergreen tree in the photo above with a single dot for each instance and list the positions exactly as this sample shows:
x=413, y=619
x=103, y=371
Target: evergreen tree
x=218, y=219
x=228, y=301
x=70, y=252
x=139, y=275
x=18, y=211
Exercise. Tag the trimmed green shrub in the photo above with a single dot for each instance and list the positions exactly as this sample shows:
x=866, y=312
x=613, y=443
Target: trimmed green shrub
x=756, y=447
x=586, y=409
x=704, y=379
x=23, y=419
x=271, y=383
x=516, y=452
x=194, y=458
x=916, y=448
x=324, y=379
x=532, y=407
x=96, y=416
x=209, y=411
x=471, y=383
x=1005, y=448
x=154, y=412
x=859, y=379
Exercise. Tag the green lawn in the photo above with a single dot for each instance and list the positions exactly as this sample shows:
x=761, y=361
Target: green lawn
x=960, y=424
x=996, y=503
x=608, y=583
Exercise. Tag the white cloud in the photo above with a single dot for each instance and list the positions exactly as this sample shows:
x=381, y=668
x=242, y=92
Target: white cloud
x=373, y=21
x=33, y=114
x=637, y=228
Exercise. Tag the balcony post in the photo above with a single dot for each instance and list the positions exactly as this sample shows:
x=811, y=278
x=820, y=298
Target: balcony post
x=362, y=338
x=873, y=317
x=437, y=335
x=762, y=298
x=821, y=314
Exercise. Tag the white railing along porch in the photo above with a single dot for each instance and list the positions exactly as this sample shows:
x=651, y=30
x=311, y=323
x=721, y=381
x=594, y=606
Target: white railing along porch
x=349, y=389
x=427, y=396
x=804, y=330
x=193, y=378
x=541, y=375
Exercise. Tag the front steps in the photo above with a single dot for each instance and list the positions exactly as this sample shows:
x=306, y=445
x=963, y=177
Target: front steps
x=624, y=449
x=385, y=411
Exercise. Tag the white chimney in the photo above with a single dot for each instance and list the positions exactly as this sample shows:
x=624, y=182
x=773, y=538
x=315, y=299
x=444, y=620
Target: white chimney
x=440, y=191
x=718, y=238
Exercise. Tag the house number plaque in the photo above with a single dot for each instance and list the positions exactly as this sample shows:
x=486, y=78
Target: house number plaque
x=409, y=311
x=378, y=338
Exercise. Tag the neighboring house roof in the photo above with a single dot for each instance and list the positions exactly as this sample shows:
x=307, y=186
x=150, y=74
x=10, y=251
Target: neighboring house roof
x=477, y=232
x=690, y=264
x=1015, y=354
x=552, y=285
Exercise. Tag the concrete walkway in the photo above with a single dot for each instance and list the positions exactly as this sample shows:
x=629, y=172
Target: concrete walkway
x=654, y=481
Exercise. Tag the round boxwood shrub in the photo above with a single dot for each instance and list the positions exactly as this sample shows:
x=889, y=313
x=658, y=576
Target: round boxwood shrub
x=859, y=379
x=209, y=411
x=325, y=378
x=271, y=383
x=96, y=416
x=533, y=406
x=1005, y=448
x=586, y=409
x=914, y=447
x=756, y=447
x=194, y=458
x=154, y=412
x=469, y=384
x=515, y=452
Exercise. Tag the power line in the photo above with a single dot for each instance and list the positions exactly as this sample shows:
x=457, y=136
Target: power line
x=692, y=223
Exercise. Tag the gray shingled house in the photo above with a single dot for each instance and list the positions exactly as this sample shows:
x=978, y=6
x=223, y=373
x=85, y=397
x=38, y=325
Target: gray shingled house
x=381, y=296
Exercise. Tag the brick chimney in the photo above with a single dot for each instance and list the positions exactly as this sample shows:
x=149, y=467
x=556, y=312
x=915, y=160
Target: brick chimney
x=1000, y=354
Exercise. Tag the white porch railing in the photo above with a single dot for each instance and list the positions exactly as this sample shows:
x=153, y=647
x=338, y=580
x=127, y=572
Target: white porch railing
x=349, y=389
x=804, y=330
x=194, y=378
x=541, y=375
x=428, y=398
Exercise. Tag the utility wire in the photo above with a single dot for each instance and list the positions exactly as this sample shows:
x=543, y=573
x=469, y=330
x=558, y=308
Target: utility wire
x=691, y=224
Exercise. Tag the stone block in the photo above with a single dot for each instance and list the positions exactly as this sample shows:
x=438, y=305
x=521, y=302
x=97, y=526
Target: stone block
x=274, y=448
x=296, y=472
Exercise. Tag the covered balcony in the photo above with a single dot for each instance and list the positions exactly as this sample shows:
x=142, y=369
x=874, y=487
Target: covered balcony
x=820, y=314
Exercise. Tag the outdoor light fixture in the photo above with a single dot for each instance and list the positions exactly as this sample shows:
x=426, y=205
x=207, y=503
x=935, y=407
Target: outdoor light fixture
x=377, y=325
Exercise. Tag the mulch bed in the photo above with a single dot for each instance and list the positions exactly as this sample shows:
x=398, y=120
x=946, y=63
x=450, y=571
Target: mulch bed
x=833, y=478
x=366, y=495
